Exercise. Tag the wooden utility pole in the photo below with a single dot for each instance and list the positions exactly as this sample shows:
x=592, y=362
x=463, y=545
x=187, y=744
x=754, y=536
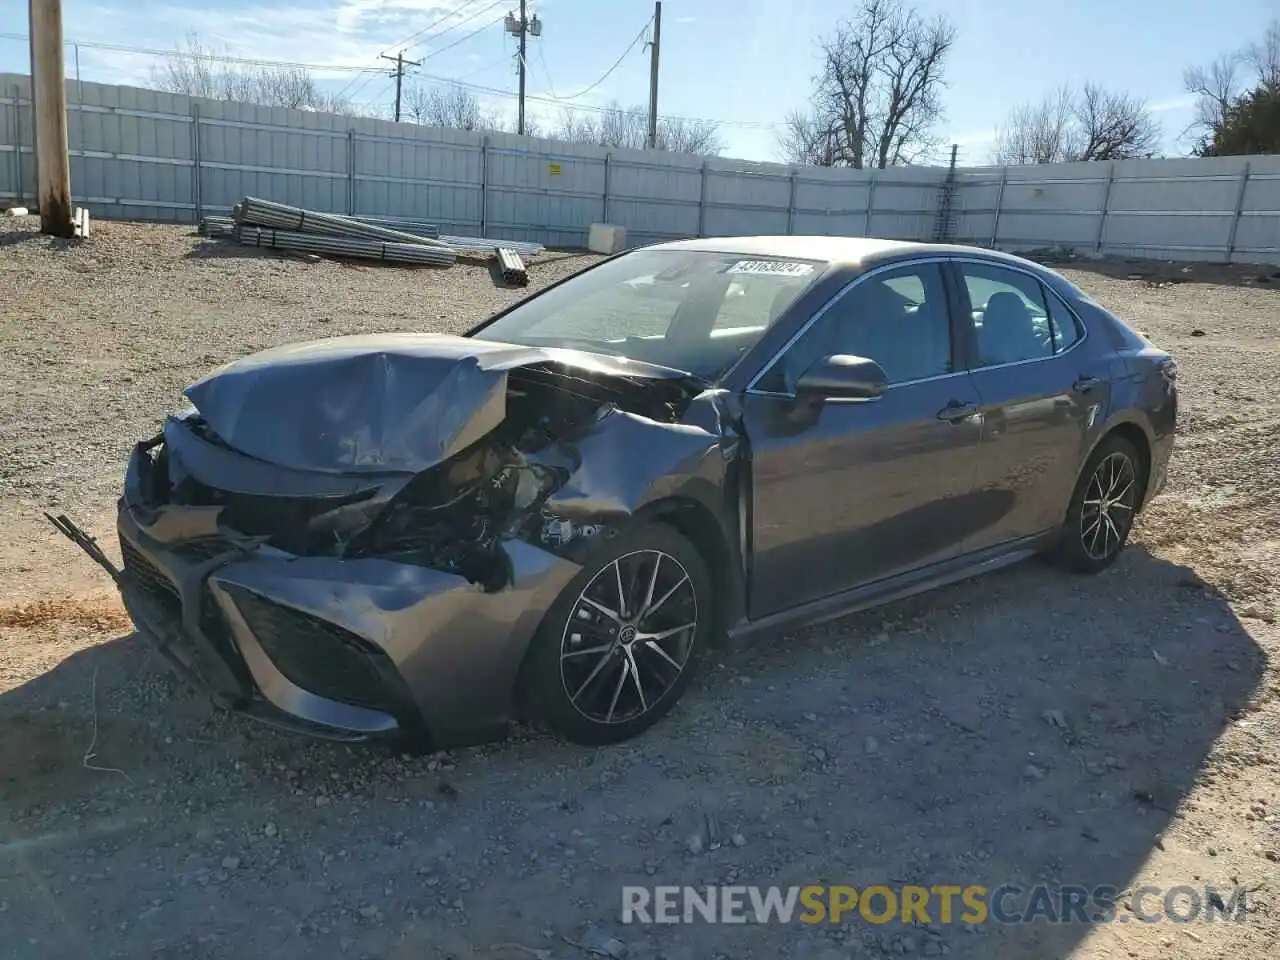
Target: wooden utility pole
x=400, y=63
x=524, y=34
x=654, y=50
x=49, y=107
x=522, y=29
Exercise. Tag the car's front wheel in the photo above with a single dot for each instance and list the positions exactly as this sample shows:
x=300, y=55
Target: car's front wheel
x=1103, y=507
x=619, y=646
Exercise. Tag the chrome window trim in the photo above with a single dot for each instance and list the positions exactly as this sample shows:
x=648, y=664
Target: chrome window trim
x=1081, y=326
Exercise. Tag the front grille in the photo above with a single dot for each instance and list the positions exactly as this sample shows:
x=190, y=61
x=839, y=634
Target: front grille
x=203, y=549
x=314, y=654
x=157, y=587
x=163, y=592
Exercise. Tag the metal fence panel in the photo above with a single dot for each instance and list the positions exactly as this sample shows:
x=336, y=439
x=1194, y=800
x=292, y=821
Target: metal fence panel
x=144, y=154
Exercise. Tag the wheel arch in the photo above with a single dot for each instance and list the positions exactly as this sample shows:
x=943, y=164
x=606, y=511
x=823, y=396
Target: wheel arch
x=689, y=513
x=1139, y=437
x=710, y=535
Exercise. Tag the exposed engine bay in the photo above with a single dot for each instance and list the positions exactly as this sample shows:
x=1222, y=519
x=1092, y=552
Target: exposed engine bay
x=453, y=515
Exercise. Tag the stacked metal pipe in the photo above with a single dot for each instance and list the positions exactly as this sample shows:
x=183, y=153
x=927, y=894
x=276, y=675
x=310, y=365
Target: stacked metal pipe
x=279, y=216
x=419, y=228
x=264, y=223
x=486, y=245
x=251, y=236
x=217, y=226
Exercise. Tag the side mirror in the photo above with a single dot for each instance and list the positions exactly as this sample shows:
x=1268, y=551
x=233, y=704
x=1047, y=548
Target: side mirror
x=842, y=377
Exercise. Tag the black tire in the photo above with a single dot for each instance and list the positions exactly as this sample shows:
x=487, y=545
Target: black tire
x=1094, y=534
x=592, y=697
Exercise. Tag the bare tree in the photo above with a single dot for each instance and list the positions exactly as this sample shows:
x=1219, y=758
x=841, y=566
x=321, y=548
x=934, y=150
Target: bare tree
x=682, y=135
x=195, y=71
x=1114, y=126
x=452, y=106
x=1221, y=84
x=1093, y=124
x=621, y=127
x=575, y=127
x=1215, y=88
x=1263, y=56
x=877, y=97
x=806, y=140
x=1038, y=132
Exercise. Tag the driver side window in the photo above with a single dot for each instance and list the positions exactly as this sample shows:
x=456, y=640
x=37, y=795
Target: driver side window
x=897, y=318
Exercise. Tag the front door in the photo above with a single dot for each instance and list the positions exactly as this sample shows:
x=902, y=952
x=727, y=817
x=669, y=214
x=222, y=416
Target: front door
x=863, y=489
x=1042, y=387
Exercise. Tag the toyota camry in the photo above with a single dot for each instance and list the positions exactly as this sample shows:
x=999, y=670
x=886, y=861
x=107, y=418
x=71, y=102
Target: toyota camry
x=555, y=515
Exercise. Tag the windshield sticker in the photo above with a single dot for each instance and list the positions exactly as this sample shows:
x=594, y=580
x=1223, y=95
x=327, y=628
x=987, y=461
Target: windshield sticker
x=776, y=268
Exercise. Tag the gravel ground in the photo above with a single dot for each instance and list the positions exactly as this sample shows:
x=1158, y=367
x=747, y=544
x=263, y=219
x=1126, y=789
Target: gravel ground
x=1026, y=727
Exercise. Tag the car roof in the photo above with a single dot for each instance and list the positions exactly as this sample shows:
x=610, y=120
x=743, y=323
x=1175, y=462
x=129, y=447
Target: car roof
x=856, y=252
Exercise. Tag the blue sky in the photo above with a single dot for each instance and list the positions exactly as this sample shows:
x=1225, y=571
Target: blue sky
x=744, y=61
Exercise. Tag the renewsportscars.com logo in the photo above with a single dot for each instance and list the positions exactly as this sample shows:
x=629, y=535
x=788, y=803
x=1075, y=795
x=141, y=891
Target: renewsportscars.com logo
x=1008, y=904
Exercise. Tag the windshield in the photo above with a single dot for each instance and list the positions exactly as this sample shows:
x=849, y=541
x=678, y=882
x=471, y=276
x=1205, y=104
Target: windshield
x=693, y=310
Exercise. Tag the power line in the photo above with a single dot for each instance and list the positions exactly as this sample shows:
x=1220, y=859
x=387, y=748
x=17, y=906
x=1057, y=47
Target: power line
x=225, y=58
x=485, y=68
x=414, y=36
x=594, y=108
x=617, y=63
x=435, y=23
x=332, y=68
x=479, y=29
x=460, y=40
x=546, y=74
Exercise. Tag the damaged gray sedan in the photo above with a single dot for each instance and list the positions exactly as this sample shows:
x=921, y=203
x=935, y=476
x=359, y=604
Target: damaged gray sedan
x=553, y=516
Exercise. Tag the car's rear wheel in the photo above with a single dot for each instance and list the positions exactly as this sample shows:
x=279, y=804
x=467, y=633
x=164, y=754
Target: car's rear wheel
x=619, y=646
x=1103, y=507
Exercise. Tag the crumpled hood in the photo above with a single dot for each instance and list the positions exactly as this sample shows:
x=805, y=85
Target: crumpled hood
x=374, y=403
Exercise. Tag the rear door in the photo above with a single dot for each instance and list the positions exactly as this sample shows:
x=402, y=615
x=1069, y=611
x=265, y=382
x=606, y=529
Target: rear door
x=866, y=488
x=1041, y=385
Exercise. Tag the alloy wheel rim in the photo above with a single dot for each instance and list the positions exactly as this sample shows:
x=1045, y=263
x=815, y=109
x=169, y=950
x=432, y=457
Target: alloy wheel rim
x=628, y=637
x=1107, y=511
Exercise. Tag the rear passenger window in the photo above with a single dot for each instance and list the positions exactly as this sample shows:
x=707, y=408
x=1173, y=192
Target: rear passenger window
x=1009, y=315
x=1063, y=326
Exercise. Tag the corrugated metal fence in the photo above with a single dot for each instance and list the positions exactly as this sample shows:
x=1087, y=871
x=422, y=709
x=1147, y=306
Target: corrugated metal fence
x=142, y=154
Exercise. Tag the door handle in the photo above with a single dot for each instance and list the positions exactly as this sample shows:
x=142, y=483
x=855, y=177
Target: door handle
x=957, y=410
x=1085, y=384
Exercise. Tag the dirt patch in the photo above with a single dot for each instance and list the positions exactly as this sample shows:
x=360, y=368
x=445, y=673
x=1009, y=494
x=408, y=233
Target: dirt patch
x=1165, y=273
x=1024, y=728
x=98, y=613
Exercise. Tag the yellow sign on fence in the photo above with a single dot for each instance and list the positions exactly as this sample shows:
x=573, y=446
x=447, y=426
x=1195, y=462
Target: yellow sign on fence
x=553, y=169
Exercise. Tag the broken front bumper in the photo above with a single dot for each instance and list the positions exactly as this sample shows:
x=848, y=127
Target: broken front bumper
x=348, y=649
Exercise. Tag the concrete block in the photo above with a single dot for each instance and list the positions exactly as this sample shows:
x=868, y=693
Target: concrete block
x=605, y=238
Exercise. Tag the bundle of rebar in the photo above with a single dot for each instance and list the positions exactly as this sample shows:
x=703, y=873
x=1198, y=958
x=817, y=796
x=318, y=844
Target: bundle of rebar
x=251, y=236
x=279, y=216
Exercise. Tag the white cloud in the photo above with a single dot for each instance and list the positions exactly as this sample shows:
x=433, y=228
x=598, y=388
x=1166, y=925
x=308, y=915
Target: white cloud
x=1176, y=103
x=338, y=33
